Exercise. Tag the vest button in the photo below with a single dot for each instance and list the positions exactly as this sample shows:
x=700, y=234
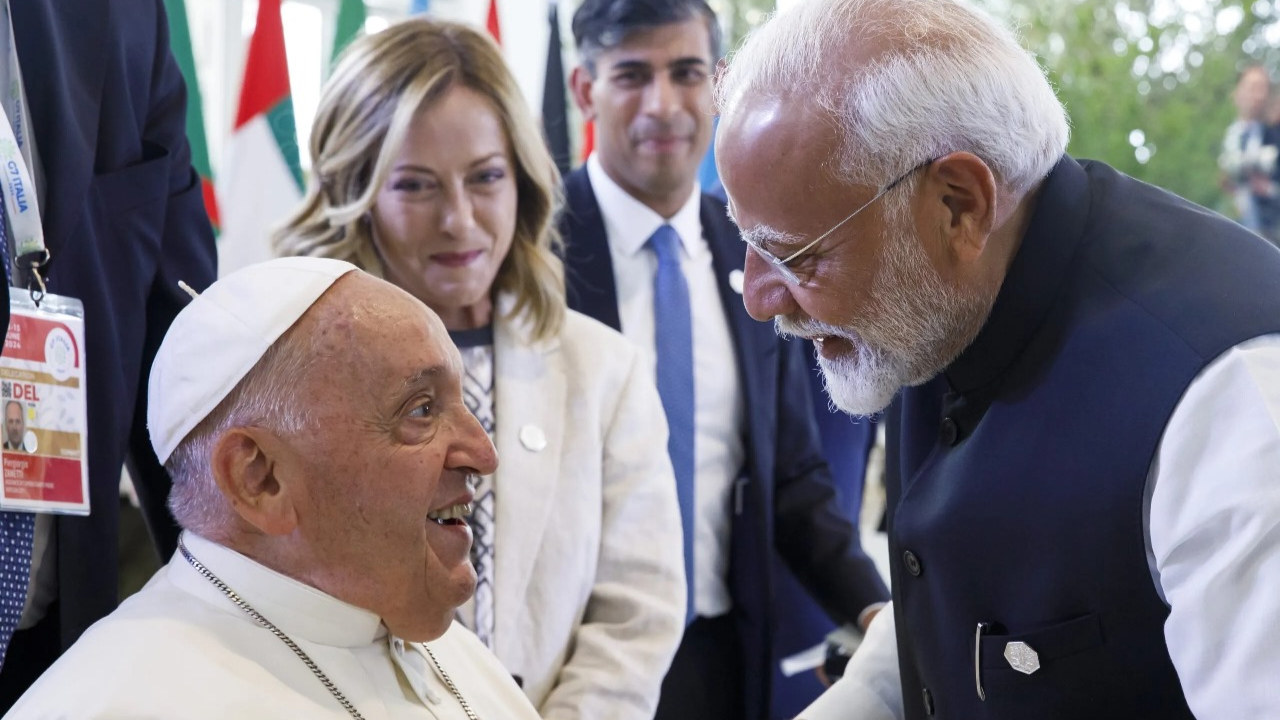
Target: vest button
x=949, y=432
x=912, y=562
x=928, y=701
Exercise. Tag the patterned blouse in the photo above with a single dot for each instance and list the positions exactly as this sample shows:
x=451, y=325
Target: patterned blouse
x=476, y=347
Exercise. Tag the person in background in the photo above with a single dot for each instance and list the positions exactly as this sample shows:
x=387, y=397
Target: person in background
x=1249, y=156
x=1272, y=113
x=1084, y=371
x=313, y=420
x=648, y=253
x=429, y=171
x=123, y=220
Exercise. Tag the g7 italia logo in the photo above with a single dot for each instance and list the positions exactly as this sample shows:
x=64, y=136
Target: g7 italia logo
x=59, y=353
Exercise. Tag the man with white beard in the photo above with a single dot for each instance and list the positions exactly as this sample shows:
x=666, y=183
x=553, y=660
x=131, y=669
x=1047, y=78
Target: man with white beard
x=649, y=254
x=1084, y=512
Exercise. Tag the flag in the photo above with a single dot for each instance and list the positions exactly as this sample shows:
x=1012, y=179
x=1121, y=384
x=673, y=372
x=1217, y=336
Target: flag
x=491, y=23
x=180, y=43
x=588, y=139
x=350, y=25
x=261, y=180
x=418, y=7
x=555, y=120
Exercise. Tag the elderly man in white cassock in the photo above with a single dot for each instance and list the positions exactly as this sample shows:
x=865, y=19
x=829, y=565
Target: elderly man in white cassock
x=312, y=419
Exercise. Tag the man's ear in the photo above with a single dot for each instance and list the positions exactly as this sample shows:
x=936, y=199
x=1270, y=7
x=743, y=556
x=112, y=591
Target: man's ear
x=246, y=468
x=580, y=84
x=966, y=188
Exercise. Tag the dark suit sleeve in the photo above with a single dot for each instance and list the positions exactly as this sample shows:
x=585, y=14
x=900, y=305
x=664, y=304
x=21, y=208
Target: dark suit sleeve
x=821, y=546
x=186, y=253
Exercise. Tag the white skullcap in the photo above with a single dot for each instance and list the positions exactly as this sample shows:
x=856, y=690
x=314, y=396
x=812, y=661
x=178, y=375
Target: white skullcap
x=217, y=339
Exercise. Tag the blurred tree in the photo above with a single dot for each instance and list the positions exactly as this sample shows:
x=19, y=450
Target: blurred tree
x=1148, y=83
x=738, y=17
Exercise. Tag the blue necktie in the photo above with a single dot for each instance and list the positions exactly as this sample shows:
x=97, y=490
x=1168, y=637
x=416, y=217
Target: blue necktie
x=673, y=340
x=17, y=529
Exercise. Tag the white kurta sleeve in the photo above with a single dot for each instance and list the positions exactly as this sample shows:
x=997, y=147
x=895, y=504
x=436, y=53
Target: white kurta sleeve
x=634, y=617
x=1214, y=527
x=871, y=688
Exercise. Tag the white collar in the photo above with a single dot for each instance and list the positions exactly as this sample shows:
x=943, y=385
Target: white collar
x=629, y=223
x=299, y=610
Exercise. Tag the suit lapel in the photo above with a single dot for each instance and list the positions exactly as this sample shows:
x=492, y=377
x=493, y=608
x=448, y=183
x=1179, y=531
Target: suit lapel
x=588, y=264
x=593, y=291
x=60, y=47
x=754, y=340
x=529, y=404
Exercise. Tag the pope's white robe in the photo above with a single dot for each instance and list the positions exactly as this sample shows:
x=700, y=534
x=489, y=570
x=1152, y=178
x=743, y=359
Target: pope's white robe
x=181, y=650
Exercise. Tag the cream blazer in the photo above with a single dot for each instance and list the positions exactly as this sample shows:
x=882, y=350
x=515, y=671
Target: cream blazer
x=589, y=584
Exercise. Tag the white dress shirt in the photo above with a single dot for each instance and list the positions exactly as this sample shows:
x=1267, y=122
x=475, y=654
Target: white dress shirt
x=719, y=408
x=181, y=649
x=1213, y=533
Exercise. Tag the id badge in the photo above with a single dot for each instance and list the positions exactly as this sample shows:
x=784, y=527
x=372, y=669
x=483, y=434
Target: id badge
x=42, y=389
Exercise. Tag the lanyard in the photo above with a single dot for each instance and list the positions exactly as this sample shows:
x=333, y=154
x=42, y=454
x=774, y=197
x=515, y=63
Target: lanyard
x=19, y=194
x=16, y=161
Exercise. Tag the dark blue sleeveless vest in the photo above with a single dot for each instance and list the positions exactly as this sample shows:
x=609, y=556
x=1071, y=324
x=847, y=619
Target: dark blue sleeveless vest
x=1016, y=479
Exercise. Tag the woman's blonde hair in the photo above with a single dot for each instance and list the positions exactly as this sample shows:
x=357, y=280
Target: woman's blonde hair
x=380, y=82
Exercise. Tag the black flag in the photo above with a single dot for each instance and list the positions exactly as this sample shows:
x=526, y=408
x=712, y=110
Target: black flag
x=555, y=120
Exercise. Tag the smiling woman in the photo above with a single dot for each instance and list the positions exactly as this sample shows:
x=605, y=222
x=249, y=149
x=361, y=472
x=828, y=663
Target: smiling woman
x=431, y=173
x=431, y=178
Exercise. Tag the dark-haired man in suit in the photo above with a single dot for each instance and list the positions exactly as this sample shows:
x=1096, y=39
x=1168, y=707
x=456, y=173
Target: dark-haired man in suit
x=648, y=253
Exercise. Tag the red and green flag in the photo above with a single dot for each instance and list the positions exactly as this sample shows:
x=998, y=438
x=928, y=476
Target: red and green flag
x=350, y=25
x=180, y=42
x=260, y=184
x=491, y=22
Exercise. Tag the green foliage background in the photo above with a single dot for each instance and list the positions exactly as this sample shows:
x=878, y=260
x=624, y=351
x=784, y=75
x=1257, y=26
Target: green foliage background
x=1163, y=68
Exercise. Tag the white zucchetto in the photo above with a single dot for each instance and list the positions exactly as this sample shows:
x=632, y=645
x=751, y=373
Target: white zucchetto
x=217, y=339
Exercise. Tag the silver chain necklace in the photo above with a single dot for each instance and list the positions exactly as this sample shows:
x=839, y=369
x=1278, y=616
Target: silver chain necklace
x=306, y=659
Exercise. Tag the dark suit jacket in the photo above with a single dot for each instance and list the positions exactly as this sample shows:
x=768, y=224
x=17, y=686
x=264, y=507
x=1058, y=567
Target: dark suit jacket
x=124, y=221
x=788, y=501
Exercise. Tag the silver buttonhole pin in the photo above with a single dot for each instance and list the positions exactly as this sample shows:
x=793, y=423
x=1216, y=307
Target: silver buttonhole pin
x=977, y=659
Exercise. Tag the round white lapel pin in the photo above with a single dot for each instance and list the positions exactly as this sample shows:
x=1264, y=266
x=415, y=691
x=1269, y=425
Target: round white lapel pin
x=736, y=280
x=532, y=438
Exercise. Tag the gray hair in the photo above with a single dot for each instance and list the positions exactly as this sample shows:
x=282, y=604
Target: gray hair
x=267, y=397
x=952, y=79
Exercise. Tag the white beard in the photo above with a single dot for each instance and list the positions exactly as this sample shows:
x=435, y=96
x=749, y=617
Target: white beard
x=863, y=382
x=914, y=325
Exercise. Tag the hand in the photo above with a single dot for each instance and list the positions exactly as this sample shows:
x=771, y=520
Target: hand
x=1260, y=186
x=868, y=617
